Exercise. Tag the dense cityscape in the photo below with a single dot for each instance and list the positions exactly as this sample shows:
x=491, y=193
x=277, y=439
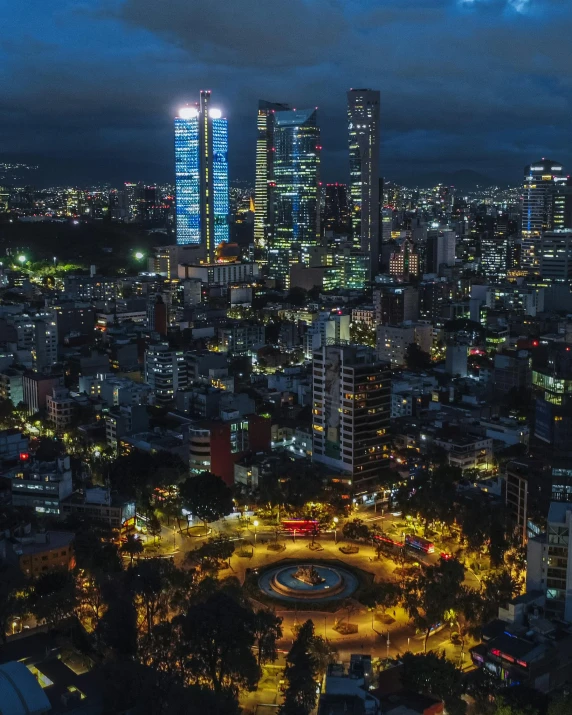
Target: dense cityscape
x=275, y=444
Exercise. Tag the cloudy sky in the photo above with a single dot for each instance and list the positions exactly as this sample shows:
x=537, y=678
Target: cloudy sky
x=89, y=87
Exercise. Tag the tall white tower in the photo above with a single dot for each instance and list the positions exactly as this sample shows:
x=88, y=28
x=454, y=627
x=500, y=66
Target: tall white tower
x=363, y=126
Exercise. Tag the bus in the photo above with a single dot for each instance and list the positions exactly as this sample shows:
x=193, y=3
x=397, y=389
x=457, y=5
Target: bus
x=301, y=526
x=384, y=539
x=419, y=543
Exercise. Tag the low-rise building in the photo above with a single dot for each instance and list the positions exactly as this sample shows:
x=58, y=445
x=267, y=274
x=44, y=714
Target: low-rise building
x=11, y=385
x=466, y=451
x=123, y=421
x=41, y=485
x=217, y=445
x=38, y=553
x=99, y=504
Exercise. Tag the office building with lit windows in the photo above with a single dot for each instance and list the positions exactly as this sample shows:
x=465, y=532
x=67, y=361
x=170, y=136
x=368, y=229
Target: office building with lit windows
x=541, y=181
x=201, y=175
x=296, y=193
x=350, y=412
x=363, y=126
x=336, y=209
x=556, y=255
x=264, y=182
x=166, y=371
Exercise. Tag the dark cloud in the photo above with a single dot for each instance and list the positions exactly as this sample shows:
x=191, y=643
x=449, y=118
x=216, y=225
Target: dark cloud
x=480, y=84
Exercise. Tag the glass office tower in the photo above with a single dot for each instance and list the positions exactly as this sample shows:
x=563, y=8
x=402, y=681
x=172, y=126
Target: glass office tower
x=265, y=184
x=296, y=190
x=201, y=175
x=363, y=132
x=541, y=181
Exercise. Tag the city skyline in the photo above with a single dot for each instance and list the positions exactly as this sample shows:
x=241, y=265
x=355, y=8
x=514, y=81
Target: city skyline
x=106, y=114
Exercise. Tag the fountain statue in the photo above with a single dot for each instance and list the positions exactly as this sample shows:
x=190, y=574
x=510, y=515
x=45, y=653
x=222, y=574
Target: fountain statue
x=309, y=575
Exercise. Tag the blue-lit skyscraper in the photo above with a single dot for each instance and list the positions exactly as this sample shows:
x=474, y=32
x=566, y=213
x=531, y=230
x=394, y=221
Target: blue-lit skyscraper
x=201, y=170
x=296, y=190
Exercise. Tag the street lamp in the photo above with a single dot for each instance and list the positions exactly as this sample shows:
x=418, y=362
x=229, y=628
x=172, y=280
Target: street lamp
x=139, y=255
x=388, y=643
x=174, y=542
x=255, y=524
x=22, y=259
x=336, y=529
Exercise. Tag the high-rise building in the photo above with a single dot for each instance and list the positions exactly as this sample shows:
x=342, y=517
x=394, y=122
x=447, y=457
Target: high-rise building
x=363, y=126
x=336, y=211
x=296, y=194
x=201, y=174
x=351, y=410
x=494, y=254
x=265, y=183
x=541, y=181
x=165, y=371
x=562, y=205
x=556, y=255
x=395, y=304
x=440, y=250
x=405, y=261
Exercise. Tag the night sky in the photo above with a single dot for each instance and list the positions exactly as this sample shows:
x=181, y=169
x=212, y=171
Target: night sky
x=89, y=88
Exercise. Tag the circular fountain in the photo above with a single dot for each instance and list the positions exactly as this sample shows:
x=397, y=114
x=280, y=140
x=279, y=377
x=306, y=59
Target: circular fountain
x=308, y=582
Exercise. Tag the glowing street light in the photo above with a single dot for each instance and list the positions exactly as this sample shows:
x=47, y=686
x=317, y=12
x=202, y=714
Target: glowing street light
x=139, y=255
x=255, y=524
x=22, y=259
x=336, y=520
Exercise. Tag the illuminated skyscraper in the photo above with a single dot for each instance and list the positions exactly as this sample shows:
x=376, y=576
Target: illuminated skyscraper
x=541, y=181
x=336, y=211
x=296, y=194
x=264, y=185
x=201, y=168
x=363, y=125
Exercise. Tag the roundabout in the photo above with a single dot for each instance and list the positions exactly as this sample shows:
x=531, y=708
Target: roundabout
x=308, y=582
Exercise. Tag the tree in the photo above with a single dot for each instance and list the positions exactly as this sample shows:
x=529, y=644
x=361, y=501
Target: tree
x=213, y=551
x=382, y=595
x=433, y=593
x=132, y=546
x=434, y=674
x=207, y=497
x=154, y=526
x=117, y=628
x=416, y=359
x=54, y=597
x=14, y=600
x=267, y=631
x=220, y=633
x=497, y=590
x=561, y=705
x=152, y=583
x=356, y=530
x=300, y=674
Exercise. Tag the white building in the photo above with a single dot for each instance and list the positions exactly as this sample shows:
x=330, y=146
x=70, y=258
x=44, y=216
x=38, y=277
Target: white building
x=328, y=327
x=549, y=562
x=393, y=340
x=165, y=371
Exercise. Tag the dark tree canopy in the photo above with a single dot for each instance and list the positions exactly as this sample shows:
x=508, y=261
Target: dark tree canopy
x=206, y=496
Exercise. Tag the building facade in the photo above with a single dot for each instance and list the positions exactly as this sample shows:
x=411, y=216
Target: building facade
x=351, y=412
x=296, y=191
x=541, y=180
x=201, y=174
x=265, y=182
x=165, y=371
x=363, y=132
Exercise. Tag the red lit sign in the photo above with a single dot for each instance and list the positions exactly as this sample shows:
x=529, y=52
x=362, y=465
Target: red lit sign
x=24, y=456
